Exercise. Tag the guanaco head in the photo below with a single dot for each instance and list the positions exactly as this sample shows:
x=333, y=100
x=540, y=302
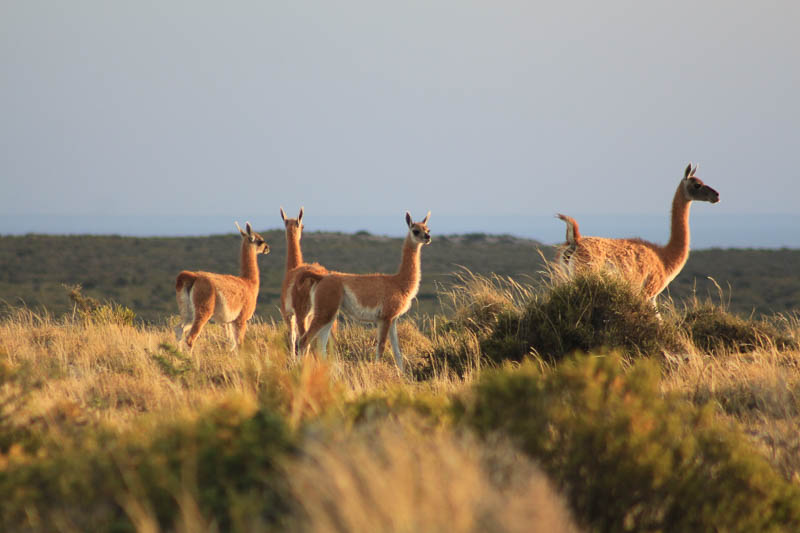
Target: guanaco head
x=254, y=239
x=418, y=231
x=294, y=226
x=695, y=189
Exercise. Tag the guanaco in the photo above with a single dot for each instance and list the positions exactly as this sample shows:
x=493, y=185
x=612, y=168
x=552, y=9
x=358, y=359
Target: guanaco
x=296, y=299
x=650, y=265
x=229, y=300
x=377, y=298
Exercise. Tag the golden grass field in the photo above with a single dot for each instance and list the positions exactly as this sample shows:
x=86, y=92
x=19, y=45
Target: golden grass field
x=371, y=450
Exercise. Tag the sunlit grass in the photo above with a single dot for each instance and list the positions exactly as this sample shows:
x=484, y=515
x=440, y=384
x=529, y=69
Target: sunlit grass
x=365, y=444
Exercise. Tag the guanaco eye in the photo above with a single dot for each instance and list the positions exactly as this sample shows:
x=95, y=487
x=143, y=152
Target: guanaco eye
x=416, y=232
x=696, y=185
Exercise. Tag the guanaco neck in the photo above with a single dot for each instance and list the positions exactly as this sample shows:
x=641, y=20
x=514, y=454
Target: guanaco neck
x=294, y=257
x=409, y=272
x=249, y=264
x=675, y=253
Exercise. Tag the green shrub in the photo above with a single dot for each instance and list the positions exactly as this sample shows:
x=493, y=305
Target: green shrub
x=235, y=455
x=91, y=310
x=628, y=458
x=15, y=388
x=112, y=313
x=455, y=352
x=167, y=361
x=589, y=311
x=228, y=461
x=379, y=407
x=714, y=329
x=477, y=306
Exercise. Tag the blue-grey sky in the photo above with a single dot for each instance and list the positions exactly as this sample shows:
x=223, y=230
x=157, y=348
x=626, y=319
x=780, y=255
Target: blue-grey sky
x=372, y=107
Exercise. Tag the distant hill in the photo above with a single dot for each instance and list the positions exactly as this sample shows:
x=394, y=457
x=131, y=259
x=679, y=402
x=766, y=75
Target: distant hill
x=140, y=272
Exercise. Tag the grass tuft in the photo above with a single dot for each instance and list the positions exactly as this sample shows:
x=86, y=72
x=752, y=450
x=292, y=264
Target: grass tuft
x=590, y=311
x=714, y=329
x=394, y=477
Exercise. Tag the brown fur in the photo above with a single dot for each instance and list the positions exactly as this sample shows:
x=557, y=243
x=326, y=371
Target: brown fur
x=650, y=265
x=295, y=299
x=378, y=298
x=229, y=299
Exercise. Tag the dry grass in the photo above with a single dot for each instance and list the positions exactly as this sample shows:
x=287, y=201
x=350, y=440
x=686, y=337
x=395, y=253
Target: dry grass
x=117, y=373
x=474, y=301
x=129, y=379
x=397, y=472
x=399, y=477
x=759, y=390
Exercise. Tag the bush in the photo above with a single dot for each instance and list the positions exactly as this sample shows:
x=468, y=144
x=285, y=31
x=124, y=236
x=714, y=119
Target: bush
x=15, y=388
x=476, y=305
x=477, y=302
x=714, y=329
x=434, y=410
x=112, y=313
x=454, y=352
x=628, y=458
x=92, y=311
x=227, y=461
x=589, y=311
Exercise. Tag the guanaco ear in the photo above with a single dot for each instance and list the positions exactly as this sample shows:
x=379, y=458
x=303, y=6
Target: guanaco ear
x=240, y=229
x=249, y=231
x=694, y=170
x=283, y=215
x=300, y=216
x=408, y=219
x=425, y=220
x=688, y=171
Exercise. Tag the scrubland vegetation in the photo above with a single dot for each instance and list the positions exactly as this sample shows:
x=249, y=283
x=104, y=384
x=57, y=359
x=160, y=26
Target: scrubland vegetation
x=139, y=273
x=548, y=405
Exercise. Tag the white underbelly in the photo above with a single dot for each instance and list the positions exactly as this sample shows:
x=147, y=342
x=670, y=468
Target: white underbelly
x=357, y=311
x=223, y=312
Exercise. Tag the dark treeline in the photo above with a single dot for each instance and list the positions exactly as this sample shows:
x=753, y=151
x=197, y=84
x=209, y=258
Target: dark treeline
x=139, y=273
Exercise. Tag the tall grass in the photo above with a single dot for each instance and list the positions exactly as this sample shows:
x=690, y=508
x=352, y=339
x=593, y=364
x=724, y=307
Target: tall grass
x=396, y=477
x=106, y=426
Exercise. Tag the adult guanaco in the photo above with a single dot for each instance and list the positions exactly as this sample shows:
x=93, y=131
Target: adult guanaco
x=645, y=263
x=229, y=300
x=295, y=299
x=377, y=298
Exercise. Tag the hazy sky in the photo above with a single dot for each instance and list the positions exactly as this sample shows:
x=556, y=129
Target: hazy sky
x=374, y=107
